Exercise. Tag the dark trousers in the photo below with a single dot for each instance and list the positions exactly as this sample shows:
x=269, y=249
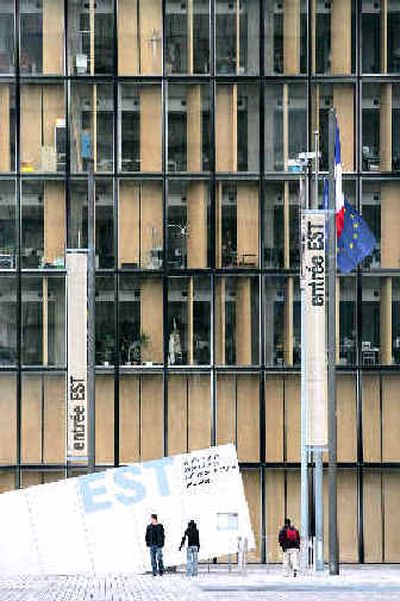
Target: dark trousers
x=156, y=557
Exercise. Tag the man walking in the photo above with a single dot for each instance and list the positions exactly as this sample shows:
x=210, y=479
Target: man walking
x=155, y=539
x=193, y=541
x=289, y=540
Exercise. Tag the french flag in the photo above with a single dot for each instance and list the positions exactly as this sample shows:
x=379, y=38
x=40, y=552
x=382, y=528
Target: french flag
x=340, y=212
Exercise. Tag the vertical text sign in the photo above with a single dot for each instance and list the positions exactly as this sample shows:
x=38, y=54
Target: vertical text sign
x=314, y=280
x=77, y=439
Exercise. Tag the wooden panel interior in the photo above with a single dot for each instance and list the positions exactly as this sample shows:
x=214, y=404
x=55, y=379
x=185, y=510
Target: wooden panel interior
x=341, y=37
x=194, y=129
x=275, y=514
x=288, y=322
x=5, y=127
x=226, y=409
x=151, y=221
x=226, y=128
x=347, y=512
x=274, y=418
x=129, y=425
x=53, y=36
x=220, y=321
x=386, y=127
x=243, y=321
x=371, y=421
x=150, y=128
x=385, y=322
x=32, y=419
x=104, y=419
x=197, y=220
x=152, y=418
x=177, y=414
x=372, y=504
x=291, y=37
x=293, y=497
x=248, y=418
x=151, y=319
x=129, y=220
x=128, y=50
x=391, y=496
x=346, y=419
x=54, y=221
x=31, y=127
x=8, y=419
x=54, y=419
x=247, y=224
x=7, y=481
x=251, y=483
x=390, y=418
x=199, y=412
x=343, y=101
x=292, y=418
x=53, y=110
x=390, y=225
x=150, y=37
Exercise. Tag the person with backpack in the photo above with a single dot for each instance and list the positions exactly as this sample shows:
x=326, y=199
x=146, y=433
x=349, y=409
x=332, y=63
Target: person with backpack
x=193, y=541
x=155, y=539
x=289, y=540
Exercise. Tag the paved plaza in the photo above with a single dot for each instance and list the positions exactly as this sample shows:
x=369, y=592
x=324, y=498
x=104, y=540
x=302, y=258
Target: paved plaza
x=356, y=583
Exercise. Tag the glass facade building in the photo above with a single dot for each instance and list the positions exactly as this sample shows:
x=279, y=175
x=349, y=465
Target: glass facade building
x=196, y=110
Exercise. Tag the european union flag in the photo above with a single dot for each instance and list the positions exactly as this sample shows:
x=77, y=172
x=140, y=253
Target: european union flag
x=356, y=240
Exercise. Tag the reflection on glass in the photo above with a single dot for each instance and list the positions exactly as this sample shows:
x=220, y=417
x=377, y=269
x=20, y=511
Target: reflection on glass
x=188, y=217
x=42, y=128
x=189, y=320
x=380, y=127
x=281, y=225
x=78, y=215
x=282, y=321
x=188, y=128
x=237, y=221
x=140, y=320
x=237, y=127
x=41, y=37
x=7, y=36
x=105, y=321
x=237, y=37
x=285, y=37
x=90, y=33
x=7, y=225
x=43, y=224
x=285, y=125
x=237, y=320
x=8, y=316
x=140, y=127
x=187, y=33
x=91, y=125
x=347, y=321
x=43, y=321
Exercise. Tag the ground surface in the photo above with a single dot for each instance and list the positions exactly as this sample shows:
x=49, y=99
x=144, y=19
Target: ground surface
x=372, y=583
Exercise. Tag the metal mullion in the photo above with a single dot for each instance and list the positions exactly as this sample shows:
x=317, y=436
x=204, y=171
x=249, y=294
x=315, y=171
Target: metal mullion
x=115, y=188
x=17, y=162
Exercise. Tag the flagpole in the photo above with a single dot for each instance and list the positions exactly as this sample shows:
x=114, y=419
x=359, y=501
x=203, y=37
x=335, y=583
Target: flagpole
x=332, y=418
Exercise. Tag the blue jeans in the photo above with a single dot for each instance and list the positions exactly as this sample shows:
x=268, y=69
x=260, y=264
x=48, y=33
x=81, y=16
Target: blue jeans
x=192, y=561
x=156, y=557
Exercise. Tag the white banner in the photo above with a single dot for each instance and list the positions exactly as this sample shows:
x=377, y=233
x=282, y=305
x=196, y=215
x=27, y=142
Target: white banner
x=314, y=283
x=77, y=423
x=96, y=523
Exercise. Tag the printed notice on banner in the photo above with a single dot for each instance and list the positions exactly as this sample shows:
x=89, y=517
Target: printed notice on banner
x=77, y=438
x=314, y=287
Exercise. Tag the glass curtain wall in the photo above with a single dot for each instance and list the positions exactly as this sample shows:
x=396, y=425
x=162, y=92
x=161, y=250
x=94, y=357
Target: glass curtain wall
x=195, y=115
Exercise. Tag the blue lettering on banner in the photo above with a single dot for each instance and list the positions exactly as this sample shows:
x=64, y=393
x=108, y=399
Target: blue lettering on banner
x=88, y=493
x=161, y=475
x=123, y=479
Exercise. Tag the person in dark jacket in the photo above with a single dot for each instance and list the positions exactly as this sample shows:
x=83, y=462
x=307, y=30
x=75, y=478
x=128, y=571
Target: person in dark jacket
x=193, y=546
x=289, y=540
x=155, y=539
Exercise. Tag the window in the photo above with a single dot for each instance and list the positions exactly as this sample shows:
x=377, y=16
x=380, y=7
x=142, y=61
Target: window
x=237, y=37
x=41, y=37
x=187, y=33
